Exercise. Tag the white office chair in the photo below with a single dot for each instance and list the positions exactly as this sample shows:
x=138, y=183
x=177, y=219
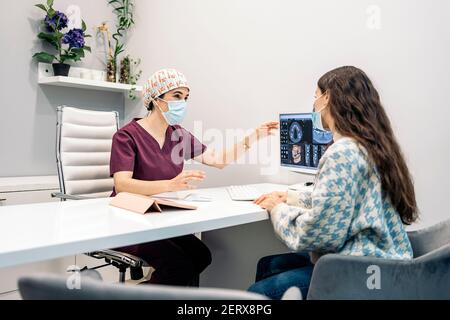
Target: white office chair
x=83, y=149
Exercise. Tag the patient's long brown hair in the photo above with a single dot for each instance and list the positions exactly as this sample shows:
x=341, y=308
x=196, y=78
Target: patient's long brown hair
x=356, y=109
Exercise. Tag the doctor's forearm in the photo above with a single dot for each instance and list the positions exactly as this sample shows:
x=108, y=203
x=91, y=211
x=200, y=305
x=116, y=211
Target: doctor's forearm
x=230, y=155
x=234, y=153
x=146, y=188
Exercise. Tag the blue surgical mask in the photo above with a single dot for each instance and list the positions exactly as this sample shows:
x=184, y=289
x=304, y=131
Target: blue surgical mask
x=317, y=117
x=320, y=134
x=176, y=113
x=317, y=121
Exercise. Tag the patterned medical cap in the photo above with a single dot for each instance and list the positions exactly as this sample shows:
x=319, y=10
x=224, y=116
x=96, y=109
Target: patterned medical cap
x=162, y=82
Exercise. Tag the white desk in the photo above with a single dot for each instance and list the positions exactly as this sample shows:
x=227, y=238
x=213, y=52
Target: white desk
x=37, y=232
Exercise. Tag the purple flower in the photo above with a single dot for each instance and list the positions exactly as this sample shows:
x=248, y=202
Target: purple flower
x=58, y=21
x=74, y=38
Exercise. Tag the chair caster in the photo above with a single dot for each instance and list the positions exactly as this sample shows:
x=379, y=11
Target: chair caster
x=136, y=273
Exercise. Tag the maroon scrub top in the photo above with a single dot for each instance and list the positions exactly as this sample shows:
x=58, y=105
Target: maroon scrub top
x=134, y=149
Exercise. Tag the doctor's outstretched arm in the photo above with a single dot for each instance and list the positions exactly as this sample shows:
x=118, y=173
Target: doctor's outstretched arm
x=222, y=158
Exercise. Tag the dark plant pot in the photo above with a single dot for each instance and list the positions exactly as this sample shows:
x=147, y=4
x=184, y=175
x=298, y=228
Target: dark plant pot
x=61, y=69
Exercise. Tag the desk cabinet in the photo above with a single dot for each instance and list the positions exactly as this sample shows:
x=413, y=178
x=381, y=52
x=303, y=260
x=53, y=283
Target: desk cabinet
x=16, y=191
x=25, y=197
x=24, y=190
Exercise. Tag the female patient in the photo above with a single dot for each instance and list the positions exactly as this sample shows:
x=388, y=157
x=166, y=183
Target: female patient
x=147, y=158
x=363, y=192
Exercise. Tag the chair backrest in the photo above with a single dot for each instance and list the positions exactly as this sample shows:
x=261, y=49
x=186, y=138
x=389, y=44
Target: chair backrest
x=426, y=240
x=83, y=149
x=51, y=287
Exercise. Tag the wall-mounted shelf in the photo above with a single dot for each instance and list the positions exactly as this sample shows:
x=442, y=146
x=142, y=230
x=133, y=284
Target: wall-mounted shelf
x=87, y=84
x=74, y=81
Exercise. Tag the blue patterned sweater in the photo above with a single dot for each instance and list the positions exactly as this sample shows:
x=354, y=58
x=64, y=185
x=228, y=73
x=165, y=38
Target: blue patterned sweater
x=344, y=212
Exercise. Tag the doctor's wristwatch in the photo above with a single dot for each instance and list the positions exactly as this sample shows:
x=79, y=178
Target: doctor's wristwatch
x=247, y=142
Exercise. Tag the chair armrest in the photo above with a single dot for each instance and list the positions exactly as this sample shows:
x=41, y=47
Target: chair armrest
x=349, y=277
x=426, y=240
x=119, y=257
x=63, y=196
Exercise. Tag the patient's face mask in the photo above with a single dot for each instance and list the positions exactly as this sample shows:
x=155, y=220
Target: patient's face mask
x=176, y=113
x=317, y=116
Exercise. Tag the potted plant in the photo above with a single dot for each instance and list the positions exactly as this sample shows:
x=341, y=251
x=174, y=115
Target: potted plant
x=129, y=74
x=124, y=10
x=69, y=44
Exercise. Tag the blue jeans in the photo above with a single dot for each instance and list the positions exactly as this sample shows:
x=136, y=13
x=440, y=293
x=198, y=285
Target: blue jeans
x=275, y=274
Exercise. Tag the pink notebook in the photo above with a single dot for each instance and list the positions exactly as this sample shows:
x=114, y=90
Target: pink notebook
x=143, y=204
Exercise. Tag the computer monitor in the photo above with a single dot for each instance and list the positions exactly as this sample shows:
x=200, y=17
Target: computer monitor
x=302, y=145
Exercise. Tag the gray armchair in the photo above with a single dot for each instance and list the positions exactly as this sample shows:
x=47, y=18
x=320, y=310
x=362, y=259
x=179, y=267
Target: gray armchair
x=50, y=287
x=427, y=276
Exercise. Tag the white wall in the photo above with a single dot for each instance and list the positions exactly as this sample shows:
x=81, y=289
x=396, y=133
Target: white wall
x=248, y=61
x=28, y=111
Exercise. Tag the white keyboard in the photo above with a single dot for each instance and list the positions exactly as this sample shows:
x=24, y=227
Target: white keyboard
x=243, y=193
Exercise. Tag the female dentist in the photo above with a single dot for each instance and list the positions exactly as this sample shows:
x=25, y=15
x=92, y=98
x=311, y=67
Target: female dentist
x=147, y=158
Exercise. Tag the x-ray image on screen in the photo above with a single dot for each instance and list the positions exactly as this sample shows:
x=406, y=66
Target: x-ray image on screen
x=301, y=144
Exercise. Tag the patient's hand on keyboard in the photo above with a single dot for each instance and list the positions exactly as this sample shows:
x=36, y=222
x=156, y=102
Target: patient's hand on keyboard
x=270, y=200
x=280, y=194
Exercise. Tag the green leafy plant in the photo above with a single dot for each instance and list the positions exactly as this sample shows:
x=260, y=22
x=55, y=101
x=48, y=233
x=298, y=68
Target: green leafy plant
x=68, y=44
x=124, y=10
x=130, y=74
